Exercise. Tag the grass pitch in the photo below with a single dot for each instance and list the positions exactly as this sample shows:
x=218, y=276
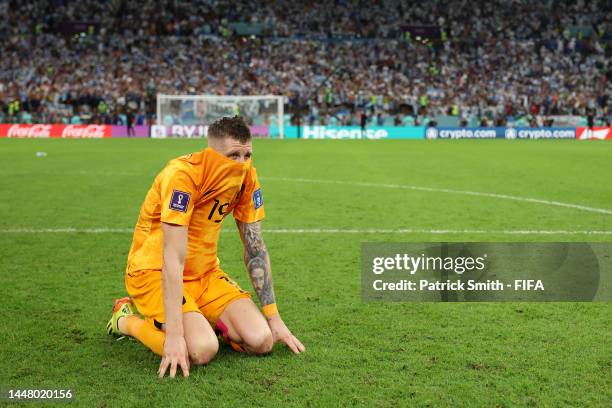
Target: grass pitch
x=58, y=287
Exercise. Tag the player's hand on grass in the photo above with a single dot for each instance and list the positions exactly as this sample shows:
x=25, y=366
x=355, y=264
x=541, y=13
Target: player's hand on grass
x=281, y=333
x=175, y=354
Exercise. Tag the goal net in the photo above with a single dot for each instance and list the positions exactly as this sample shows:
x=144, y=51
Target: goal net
x=190, y=115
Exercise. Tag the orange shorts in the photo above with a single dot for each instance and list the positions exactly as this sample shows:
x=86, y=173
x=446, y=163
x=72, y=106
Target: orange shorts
x=209, y=295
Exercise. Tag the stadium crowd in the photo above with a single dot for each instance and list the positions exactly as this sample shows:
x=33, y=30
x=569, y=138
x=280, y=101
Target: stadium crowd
x=498, y=61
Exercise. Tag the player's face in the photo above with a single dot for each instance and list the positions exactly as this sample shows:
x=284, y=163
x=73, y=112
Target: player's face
x=232, y=148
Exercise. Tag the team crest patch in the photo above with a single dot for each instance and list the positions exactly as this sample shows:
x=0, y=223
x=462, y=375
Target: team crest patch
x=257, y=198
x=180, y=201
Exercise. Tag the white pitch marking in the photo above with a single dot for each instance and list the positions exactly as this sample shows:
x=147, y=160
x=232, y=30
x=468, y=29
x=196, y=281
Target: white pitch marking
x=431, y=231
x=450, y=191
x=320, y=231
x=66, y=230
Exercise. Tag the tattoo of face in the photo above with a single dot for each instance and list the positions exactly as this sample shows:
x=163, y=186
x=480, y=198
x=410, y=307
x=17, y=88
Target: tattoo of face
x=257, y=261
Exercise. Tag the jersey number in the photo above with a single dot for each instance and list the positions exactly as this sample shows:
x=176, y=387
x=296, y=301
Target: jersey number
x=218, y=208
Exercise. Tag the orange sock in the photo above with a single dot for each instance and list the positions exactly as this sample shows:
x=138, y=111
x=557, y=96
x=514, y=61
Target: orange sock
x=146, y=333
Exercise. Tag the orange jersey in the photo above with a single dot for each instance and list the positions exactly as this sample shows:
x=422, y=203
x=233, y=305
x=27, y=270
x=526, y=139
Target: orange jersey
x=197, y=190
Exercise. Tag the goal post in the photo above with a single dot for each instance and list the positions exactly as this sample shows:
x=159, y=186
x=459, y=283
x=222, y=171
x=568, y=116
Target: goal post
x=263, y=113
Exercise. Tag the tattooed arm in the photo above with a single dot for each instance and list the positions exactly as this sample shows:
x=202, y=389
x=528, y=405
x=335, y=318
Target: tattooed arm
x=257, y=262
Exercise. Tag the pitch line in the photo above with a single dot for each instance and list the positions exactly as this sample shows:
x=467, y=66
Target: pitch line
x=405, y=231
x=431, y=231
x=449, y=191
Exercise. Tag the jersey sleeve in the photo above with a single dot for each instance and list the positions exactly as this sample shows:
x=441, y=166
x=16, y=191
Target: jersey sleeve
x=250, y=208
x=178, y=195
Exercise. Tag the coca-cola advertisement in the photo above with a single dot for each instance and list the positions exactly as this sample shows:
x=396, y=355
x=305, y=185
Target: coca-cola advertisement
x=86, y=131
x=55, y=131
x=26, y=131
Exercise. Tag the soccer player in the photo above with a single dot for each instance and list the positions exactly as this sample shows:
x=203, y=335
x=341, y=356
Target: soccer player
x=173, y=275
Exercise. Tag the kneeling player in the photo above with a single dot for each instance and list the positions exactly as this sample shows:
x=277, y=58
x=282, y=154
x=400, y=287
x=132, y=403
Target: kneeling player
x=173, y=274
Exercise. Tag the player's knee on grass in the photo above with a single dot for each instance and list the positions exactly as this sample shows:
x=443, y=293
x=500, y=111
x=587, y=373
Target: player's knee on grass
x=203, y=351
x=259, y=341
x=202, y=343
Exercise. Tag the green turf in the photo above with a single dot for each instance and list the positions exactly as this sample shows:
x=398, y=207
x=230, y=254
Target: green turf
x=58, y=288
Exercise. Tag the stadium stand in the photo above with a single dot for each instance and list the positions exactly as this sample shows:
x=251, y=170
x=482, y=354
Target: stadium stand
x=454, y=63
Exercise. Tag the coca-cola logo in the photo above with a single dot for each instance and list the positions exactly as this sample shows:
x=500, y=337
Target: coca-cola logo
x=93, y=131
x=29, y=131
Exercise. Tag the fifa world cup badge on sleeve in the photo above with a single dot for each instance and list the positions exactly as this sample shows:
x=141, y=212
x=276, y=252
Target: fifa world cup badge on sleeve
x=257, y=198
x=180, y=201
